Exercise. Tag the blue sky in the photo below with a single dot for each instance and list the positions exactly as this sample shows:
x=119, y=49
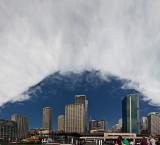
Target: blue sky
x=55, y=91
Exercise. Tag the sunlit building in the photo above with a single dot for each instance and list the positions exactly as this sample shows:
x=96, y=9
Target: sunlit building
x=61, y=122
x=76, y=115
x=47, y=118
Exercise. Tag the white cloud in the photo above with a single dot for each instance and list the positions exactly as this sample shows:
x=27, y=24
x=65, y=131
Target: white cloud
x=38, y=38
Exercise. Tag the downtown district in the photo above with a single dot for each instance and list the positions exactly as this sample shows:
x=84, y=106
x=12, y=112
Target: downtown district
x=75, y=121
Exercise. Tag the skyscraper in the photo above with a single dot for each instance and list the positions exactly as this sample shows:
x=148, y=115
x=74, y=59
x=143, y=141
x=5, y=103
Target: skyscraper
x=81, y=99
x=130, y=114
x=22, y=125
x=61, y=122
x=47, y=118
x=76, y=115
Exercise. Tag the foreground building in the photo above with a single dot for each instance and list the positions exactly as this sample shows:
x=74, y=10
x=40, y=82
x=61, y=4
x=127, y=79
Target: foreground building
x=130, y=114
x=76, y=115
x=22, y=125
x=47, y=118
x=61, y=122
x=8, y=130
x=153, y=119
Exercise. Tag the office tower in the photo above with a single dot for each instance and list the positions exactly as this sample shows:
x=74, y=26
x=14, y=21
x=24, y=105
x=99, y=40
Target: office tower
x=22, y=125
x=130, y=113
x=74, y=118
x=76, y=115
x=61, y=122
x=153, y=123
x=81, y=99
x=47, y=118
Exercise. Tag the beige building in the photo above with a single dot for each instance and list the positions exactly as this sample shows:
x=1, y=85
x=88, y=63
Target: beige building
x=76, y=115
x=153, y=119
x=81, y=99
x=47, y=118
x=74, y=118
x=61, y=122
x=22, y=125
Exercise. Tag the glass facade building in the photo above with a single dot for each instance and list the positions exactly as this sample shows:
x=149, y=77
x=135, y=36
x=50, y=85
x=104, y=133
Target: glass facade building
x=130, y=114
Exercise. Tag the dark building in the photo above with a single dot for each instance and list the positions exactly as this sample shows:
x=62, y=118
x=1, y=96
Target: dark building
x=8, y=130
x=130, y=114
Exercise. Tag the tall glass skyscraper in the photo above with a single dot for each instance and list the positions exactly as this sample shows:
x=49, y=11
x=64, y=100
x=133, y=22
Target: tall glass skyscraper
x=130, y=114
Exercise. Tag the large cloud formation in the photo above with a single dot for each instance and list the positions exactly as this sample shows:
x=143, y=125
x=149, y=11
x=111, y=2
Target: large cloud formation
x=39, y=37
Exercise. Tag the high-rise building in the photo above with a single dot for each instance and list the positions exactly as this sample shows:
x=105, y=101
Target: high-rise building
x=61, y=122
x=153, y=123
x=81, y=99
x=22, y=125
x=76, y=115
x=47, y=118
x=74, y=118
x=130, y=114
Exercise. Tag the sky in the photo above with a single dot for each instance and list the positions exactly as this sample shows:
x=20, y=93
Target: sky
x=115, y=42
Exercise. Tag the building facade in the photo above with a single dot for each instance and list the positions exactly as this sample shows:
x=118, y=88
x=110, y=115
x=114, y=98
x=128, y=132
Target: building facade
x=81, y=99
x=74, y=118
x=8, y=130
x=130, y=114
x=61, y=122
x=47, y=118
x=153, y=123
x=22, y=125
x=95, y=125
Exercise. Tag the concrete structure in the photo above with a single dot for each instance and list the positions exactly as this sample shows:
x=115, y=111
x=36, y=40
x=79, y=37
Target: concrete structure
x=61, y=122
x=109, y=136
x=47, y=118
x=74, y=118
x=8, y=130
x=22, y=125
x=153, y=123
x=81, y=99
x=95, y=126
x=130, y=114
x=76, y=115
